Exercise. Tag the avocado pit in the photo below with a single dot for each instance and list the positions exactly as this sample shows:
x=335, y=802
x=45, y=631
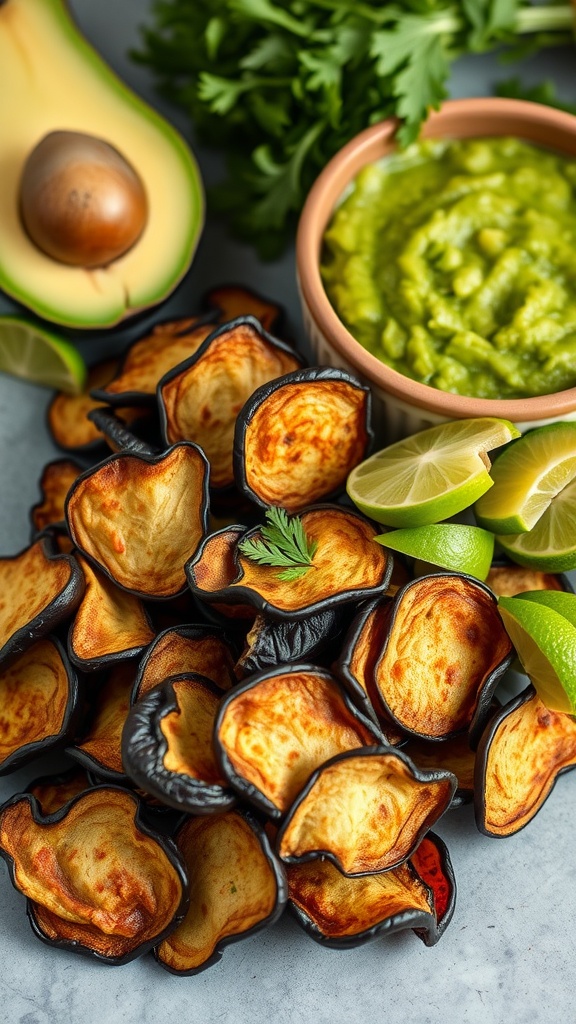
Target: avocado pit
x=81, y=202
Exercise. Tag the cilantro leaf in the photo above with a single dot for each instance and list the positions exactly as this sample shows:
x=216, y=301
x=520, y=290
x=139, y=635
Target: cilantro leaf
x=282, y=543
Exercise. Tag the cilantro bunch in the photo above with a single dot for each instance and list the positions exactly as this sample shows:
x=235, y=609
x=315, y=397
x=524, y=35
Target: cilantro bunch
x=281, y=85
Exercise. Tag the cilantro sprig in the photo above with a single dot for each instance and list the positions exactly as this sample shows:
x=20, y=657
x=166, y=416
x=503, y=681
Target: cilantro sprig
x=281, y=85
x=282, y=542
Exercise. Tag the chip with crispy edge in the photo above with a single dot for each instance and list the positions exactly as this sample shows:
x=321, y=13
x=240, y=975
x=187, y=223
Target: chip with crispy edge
x=168, y=750
x=53, y=791
x=366, y=810
x=234, y=300
x=110, y=625
x=214, y=568
x=347, y=566
x=38, y=590
x=149, y=358
x=55, y=482
x=269, y=643
x=444, y=655
x=276, y=728
x=39, y=704
x=237, y=887
x=67, y=414
x=509, y=580
x=117, y=434
x=201, y=648
x=523, y=750
x=99, y=749
x=139, y=518
x=453, y=755
x=200, y=399
x=298, y=438
x=433, y=864
x=98, y=881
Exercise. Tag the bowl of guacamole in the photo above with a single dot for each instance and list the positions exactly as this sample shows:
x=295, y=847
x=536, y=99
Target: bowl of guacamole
x=445, y=274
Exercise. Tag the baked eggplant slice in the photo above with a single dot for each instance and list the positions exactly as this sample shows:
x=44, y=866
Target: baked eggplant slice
x=67, y=414
x=99, y=750
x=237, y=887
x=507, y=580
x=270, y=643
x=214, y=568
x=202, y=649
x=523, y=750
x=148, y=359
x=444, y=655
x=55, y=482
x=347, y=566
x=298, y=438
x=139, y=518
x=234, y=300
x=432, y=862
x=200, y=399
x=97, y=880
x=363, y=645
x=365, y=810
x=167, y=746
x=38, y=590
x=453, y=755
x=110, y=625
x=276, y=728
x=39, y=704
x=53, y=791
x=117, y=434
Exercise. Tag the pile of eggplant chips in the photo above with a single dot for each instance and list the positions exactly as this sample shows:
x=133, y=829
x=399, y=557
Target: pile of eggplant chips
x=241, y=739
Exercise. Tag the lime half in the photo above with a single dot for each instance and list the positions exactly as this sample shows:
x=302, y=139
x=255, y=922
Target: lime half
x=527, y=477
x=545, y=643
x=466, y=549
x=551, y=545
x=39, y=356
x=431, y=475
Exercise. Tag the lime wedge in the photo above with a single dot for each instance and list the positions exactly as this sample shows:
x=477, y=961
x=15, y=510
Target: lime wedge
x=39, y=356
x=545, y=643
x=465, y=549
x=560, y=601
x=527, y=477
x=550, y=546
x=431, y=475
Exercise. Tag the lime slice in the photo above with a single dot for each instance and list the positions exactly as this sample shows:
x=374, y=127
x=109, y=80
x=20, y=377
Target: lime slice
x=545, y=643
x=465, y=549
x=560, y=601
x=431, y=475
x=550, y=546
x=527, y=477
x=39, y=356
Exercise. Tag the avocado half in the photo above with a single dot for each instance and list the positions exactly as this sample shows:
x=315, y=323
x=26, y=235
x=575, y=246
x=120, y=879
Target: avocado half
x=56, y=81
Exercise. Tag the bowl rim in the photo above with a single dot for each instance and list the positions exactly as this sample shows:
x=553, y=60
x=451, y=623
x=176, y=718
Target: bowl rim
x=474, y=117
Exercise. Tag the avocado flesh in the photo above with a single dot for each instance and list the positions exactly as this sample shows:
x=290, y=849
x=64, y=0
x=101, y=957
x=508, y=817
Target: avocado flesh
x=55, y=80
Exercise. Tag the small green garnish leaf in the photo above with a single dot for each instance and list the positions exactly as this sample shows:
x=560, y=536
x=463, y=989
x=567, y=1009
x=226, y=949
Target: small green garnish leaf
x=283, y=544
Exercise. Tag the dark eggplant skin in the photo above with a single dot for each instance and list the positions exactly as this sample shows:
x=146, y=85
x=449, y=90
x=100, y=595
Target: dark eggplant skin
x=189, y=631
x=278, y=643
x=431, y=936
x=144, y=748
x=375, y=751
x=485, y=698
x=282, y=899
x=167, y=845
x=119, y=437
x=57, y=611
x=245, y=789
x=309, y=374
x=71, y=722
x=341, y=667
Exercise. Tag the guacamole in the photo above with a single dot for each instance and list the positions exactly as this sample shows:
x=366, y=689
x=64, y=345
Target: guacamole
x=454, y=262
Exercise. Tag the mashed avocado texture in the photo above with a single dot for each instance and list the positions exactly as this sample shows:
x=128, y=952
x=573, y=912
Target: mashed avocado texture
x=455, y=264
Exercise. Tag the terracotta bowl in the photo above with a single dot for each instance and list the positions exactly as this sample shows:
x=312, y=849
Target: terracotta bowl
x=403, y=406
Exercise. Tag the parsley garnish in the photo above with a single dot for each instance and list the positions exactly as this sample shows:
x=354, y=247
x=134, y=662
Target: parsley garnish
x=282, y=542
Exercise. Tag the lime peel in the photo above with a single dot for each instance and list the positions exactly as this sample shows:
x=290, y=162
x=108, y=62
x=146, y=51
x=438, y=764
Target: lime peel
x=39, y=356
x=545, y=642
x=459, y=548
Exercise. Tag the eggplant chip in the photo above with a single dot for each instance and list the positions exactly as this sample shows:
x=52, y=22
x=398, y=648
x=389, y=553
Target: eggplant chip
x=445, y=652
x=149, y=358
x=67, y=414
x=55, y=482
x=97, y=880
x=38, y=590
x=453, y=755
x=201, y=398
x=234, y=300
x=298, y=438
x=522, y=752
x=53, y=791
x=214, y=568
x=201, y=649
x=167, y=746
x=100, y=748
x=110, y=625
x=237, y=887
x=509, y=580
x=139, y=518
x=366, y=810
x=118, y=436
x=270, y=643
x=432, y=862
x=347, y=565
x=39, y=704
x=275, y=729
